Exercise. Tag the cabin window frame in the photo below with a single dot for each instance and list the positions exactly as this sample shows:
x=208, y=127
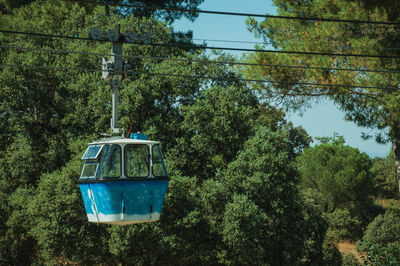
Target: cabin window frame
x=157, y=146
x=98, y=160
x=148, y=164
x=97, y=154
x=86, y=163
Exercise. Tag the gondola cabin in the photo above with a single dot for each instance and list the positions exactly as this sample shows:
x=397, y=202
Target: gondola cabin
x=123, y=180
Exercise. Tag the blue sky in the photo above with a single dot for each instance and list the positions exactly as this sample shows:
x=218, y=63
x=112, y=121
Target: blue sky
x=323, y=119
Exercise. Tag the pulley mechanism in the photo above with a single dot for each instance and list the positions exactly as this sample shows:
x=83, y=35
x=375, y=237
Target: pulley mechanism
x=116, y=69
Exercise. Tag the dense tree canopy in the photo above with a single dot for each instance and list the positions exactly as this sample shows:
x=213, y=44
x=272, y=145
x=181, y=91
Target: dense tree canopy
x=367, y=107
x=220, y=141
x=245, y=187
x=383, y=169
x=169, y=14
x=381, y=239
x=255, y=192
x=339, y=172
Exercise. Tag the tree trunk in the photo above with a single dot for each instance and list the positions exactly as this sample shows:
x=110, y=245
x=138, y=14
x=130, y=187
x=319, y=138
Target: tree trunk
x=395, y=134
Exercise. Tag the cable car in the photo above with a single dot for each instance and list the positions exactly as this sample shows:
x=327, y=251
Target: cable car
x=123, y=180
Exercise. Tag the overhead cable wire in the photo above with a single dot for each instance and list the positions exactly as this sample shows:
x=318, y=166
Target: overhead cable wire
x=228, y=41
x=273, y=51
x=208, y=77
x=205, y=61
x=153, y=7
x=262, y=43
x=216, y=48
x=51, y=67
x=44, y=35
x=88, y=39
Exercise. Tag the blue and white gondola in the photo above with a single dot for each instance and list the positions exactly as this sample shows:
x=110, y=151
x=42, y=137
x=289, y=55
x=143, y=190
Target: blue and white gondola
x=123, y=180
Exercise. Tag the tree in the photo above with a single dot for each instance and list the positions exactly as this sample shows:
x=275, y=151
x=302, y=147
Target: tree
x=58, y=223
x=167, y=15
x=254, y=204
x=319, y=249
x=367, y=107
x=381, y=239
x=170, y=14
x=8, y=5
x=218, y=124
x=216, y=127
x=340, y=173
x=383, y=169
x=349, y=259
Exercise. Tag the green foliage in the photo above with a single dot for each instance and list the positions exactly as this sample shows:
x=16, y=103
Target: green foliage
x=340, y=173
x=233, y=196
x=335, y=38
x=8, y=6
x=21, y=156
x=180, y=237
x=137, y=246
x=49, y=116
x=216, y=127
x=320, y=248
x=193, y=231
x=60, y=228
x=243, y=232
x=342, y=226
x=383, y=170
x=367, y=107
x=314, y=228
x=381, y=239
x=186, y=234
x=168, y=15
x=331, y=255
x=349, y=259
x=254, y=204
x=20, y=245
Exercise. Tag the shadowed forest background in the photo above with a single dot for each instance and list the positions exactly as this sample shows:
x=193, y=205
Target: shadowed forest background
x=247, y=187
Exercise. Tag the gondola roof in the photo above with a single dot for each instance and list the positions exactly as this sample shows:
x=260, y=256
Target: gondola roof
x=122, y=140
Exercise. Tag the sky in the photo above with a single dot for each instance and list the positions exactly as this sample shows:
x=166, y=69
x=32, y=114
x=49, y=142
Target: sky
x=323, y=119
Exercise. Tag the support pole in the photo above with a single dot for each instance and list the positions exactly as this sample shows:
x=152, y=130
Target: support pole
x=116, y=68
x=117, y=61
x=115, y=84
